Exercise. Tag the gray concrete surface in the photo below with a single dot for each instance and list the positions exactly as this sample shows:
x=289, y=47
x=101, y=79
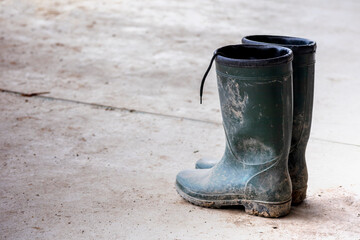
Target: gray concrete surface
x=96, y=157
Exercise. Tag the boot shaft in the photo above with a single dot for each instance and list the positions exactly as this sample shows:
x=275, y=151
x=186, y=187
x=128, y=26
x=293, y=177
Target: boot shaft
x=303, y=81
x=255, y=89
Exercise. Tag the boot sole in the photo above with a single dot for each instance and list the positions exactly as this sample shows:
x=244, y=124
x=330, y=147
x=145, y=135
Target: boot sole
x=252, y=207
x=298, y=196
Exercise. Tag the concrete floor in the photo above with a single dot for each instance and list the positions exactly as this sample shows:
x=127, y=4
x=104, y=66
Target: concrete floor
x=96, y=156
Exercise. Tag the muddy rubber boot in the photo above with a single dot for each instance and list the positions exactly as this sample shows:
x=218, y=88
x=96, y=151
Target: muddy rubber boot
x=255, y=89
x=303, y=90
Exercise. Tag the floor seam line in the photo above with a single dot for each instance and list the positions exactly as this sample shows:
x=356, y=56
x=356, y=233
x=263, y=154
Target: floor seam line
x=108, y=107
x=336, y=142
x=140, y=112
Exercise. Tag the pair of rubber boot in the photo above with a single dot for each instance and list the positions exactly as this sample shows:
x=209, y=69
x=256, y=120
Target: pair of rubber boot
x=266, y=90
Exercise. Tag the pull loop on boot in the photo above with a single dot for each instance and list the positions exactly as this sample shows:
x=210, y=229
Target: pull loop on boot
x=205, y=75
x=255, y=90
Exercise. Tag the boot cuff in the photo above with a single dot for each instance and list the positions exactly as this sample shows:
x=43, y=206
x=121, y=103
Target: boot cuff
x=249, y=55
x=297, y=45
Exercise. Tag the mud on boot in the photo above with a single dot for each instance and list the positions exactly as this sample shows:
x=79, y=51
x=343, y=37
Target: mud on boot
x=255, y=89
x=303, y=91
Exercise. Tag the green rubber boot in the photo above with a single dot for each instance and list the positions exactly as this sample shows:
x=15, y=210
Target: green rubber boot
x=303, y=90
x=255, y=89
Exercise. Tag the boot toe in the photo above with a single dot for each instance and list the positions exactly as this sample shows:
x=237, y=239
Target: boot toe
x=189, y=181
x=195, y=187
x=208, y=184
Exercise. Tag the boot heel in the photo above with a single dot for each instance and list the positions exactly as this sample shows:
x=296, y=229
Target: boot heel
x=267, y=209
x=298, y=196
